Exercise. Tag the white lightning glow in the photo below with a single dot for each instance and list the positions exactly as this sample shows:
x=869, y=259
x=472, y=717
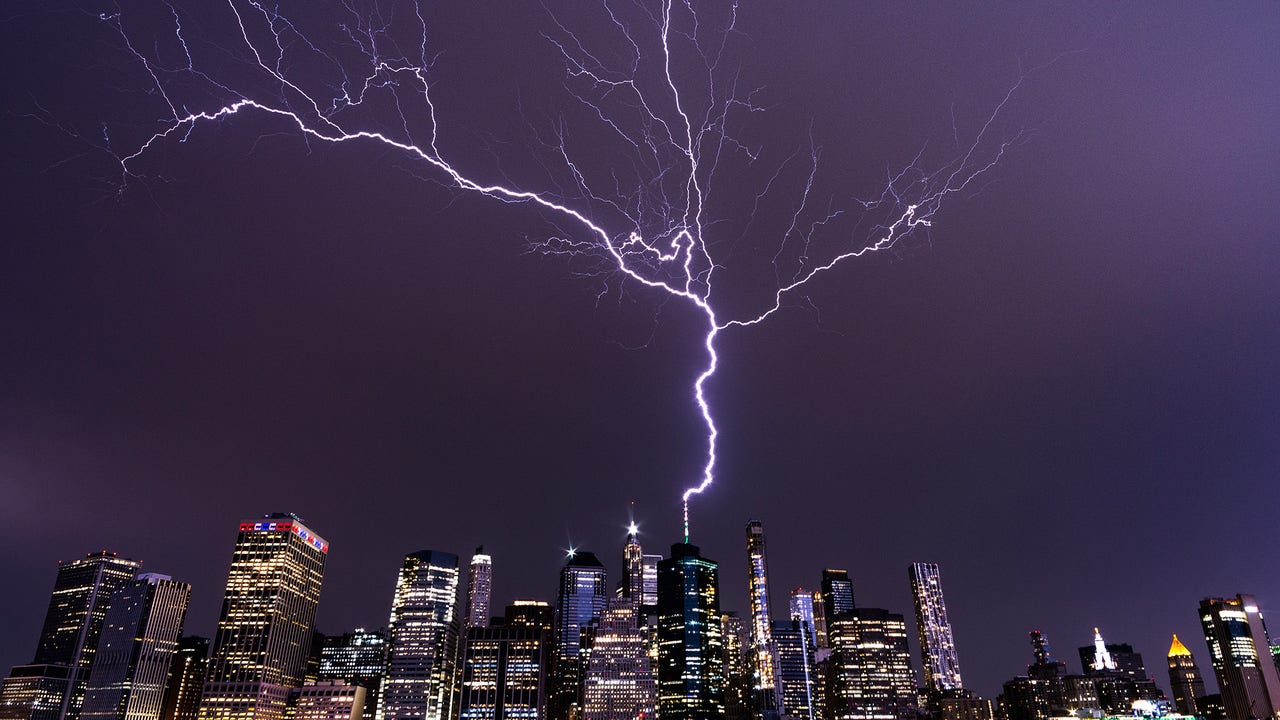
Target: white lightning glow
x=664, y=250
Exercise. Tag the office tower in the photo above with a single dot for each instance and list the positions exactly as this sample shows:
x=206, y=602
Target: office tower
x=690, y=651
x=422, y=639
x=1118, y=674
x=505, y=666
x=1047, y=690
x=268, y=614
x=1241, y=655
x=871, y=674
x=649, y=583
x=819, y=620
x=737, y=667
x=962, y=704
x=937, y=645
x=580, y=600
x=1185, y=680
x=136, y=649
x=802, y=612
x=837, y=594
x=356, y=658
x=1096, y=656
x=619, y=682
x=633, y=568
x=55, y=681
x=795, y=668
x=329, y=700
x=762, y=650
x=186, y=679
x=479, y=589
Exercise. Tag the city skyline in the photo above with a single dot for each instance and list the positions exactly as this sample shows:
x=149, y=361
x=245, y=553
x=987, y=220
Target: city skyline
x=1063, y=394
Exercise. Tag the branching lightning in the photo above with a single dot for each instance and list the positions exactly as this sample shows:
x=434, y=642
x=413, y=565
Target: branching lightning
x=650, y=229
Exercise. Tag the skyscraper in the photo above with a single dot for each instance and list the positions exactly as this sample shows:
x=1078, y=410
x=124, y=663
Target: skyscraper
x=633, y=569
x=796, y=681
x=356, y=658
x=329, y=700
x=506, y=667
x=479, y=589
x=55, y=681
x=837, y=594
x=802, y=612
x=1185, y=680
x=649, y=583
x=937, y=645
x=268, y=617
x=619, y=682
x=1241, y=655
x=737, y=671
x=136, y=649
x=422, y=639
x=762, y=649
x=690, y=653
x=871, y=676
x=580, y=600
x=186, y=679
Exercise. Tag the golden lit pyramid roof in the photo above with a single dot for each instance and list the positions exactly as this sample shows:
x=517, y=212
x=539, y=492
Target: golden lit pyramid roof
x=1177, y=648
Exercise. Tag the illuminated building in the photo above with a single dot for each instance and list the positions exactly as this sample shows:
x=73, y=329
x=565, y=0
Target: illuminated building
x=1185, y=681
x=422, y=639
x=649, y=581
x=34, y=692
x=186, y=679
x=1241, y=656
x=937, y=644
x=136, y=650
x=328, y=700
x=268, y=614
x=479, y=589
x=795, y=668
x=870, y=675
x=837, y=594
x=82, y=594
x=580, y=600
x=356, y=658
x=619, y=681
x=1047, y=690
x=762, y=650
x=1119, y=675
x=802, y=612
x=962, y=704
x=819, y=620
x=632, y=584
x=505, y=666
x=737, y=667
x=690, y=649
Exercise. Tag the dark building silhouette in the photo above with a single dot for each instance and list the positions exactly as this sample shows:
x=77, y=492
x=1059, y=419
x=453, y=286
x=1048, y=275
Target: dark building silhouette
x=186, y=679
x=690, y=647
x=1047, y=690
x=837, y=594
x=737, y=667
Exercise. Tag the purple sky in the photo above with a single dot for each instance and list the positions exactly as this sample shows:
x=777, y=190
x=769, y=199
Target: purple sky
x=1066, y=394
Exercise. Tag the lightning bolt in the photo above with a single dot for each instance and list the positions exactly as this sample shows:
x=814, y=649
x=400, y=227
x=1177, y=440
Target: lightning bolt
x=676, y=137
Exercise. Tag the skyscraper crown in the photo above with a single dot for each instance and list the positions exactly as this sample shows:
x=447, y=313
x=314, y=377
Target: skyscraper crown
x=1177, y=649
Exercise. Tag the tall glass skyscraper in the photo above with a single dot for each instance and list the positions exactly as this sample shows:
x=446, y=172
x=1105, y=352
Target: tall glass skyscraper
x=579, y=602
x=796, y=672
x=422, y=639
x=937, y=644
x=871, y=667
x=54, y=684
x=268, y=617
x=802, y=612
x=690, y=652
x=1241, y=655
x=479, y=589
x=762, y=650
x=136, y=650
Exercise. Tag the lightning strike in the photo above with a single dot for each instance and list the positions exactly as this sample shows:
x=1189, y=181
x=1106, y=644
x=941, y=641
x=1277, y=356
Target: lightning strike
x=676, y=138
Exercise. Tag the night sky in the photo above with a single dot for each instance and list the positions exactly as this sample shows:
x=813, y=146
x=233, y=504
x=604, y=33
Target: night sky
x=1065, y=394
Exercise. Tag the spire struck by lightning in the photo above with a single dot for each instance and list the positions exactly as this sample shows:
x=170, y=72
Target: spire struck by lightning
x=659, y=84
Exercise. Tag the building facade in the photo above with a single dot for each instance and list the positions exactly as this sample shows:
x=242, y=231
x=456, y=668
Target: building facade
x=690, y=648
x=761, y=627
x=1185, y=681
x=1241, y=655
x=479, y=589
x=797, y=689
x=619, y=682
x=506, y=670
x=267, y=619
x=186, y=679
x=870, y=675
x=422, y=639
x=837, y=594
x=801, y=607
x=937, y=644
x=136, y=650
x=580, y=600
